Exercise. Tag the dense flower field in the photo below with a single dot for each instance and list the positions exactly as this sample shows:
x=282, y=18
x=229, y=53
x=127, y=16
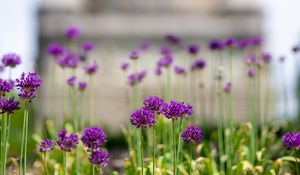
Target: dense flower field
x=169, y=132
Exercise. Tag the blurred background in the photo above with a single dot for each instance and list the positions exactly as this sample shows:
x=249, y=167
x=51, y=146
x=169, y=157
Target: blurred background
x=119, y=26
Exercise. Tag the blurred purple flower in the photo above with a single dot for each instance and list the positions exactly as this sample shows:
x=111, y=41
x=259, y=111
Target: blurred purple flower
x=144, y=46
x=256, y=41
x=142, y=118
x=158, y=71
x=192, y=134
x=71, y=81
x=243, y=43
x=216, y=45
x=251, y=73
x=11, y=60
x=266, y=57
x=124, y=66
x=69, y=59
x=67, y=142
x=133, y=79
x=91, y=69
x=291, y=140
x=82, y=86
x=230, y=42
x=228, y=87
x=8, y=106
x=55, y=49
x=5, y=86
x=93, y=137
x=250, y=59
x=46, y=146
x=198, y=64
x=99, y=158
x=164, y=50
x=87, y=46
x=193, y=49
x=172, y=39
x=165, y=61
x=72, y=32
x=134, y=55
x=179, y=70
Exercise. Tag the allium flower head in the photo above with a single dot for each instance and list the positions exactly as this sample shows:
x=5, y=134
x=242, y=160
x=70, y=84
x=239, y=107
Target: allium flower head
x=69, y=59
x=82, y=86
x=227, y=87
x=28, y=84
x=193, y=49
x=124, y=66
x=175, y=110
x=99, y=158
x=134, y=55
x=266, y=57
x=165, y=61
x=158, y=71
x=192, y=134
x=87, y=46
x=8, y=106
x=142, y=118
x=243, y=43
x=67, y=142
x=291, y=140
x=91, y=69
x=179, y=70
x=198, y=64
x=251, y=73
x=71, y=81
x=93, y=137
x=46, y=146
x=250, y=59
x=5, y=86
x=256, y=41
x=153, y=103
x=164, y=50
x=172, y=39
x=55, y=49
x=133, y=79
x=11, y=60
x=144, y=46
x=216, y=45
x=72, y=32
x=230, y=42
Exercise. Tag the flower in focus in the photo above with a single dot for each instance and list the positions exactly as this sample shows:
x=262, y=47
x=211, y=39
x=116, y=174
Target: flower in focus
x=71, y=81
x=66, y=142
x=68, y=59
x=134, y=55
x=46, y=146
x=192, y=134
x=251, y=73
x=165, y=61
x=82, y=86
x=175, y=110
x=11, y=60
x=93, y=137
x=91, y=69
x=198, y=64
x=99, y=158
x=87, y=46
x=8, y=106
x=172, y=39
x=55, y=49
x=291, y=140
x=142, y=118
x=193, y=49
x=153, y=103
x=5, y=86
x=227, y=87
x=28, y=84
x=72, y=32
x=179, y=70
x=124, y=66
x=166, y=51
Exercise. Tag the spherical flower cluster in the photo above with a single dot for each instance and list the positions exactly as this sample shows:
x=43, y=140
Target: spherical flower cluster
x=165, y=61
x=230, y=42
x=99, y=158
x=266, y=57
x=175, y=110
x=251, y=73
x=134, y=55
x=124, y=66
x=28, y=84
x=142, y=118
x=68, y=59
x=172, y=39
x=11, y=60
x=67, y=142
x=216, y=45
x=71, y=81
x=158, y=71
x=153, y=103
x=46, y=146
x=164, y=50
x=144, y=46
x=82, y=86
x=192, y=134
x=250, y=59
x=179, y=70
x=291, y=140
x=198, y=64
x=8, y=106
x=91, y=69
x=93, y=137
x=243, y=43
x=72, y=32
x=87, y=46
x=227, y=87
x=255, y=41
x=55, y=49
x=133, y=79
x=193, y=49
x=5, y=86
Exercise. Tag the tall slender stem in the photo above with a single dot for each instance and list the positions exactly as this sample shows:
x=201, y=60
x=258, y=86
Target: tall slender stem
x=142, y=153
x=93, y=169
x=45, y=163
x=4, y=141
x=191, y=159
x=174, y=147
x=25, y=145
x=296, y=162
x=153, y=151
x=179, y=141
x=22, y=166
x=65, y=162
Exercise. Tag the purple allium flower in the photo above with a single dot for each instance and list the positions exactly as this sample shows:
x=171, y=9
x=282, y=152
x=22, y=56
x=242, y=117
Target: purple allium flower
x=230, y=42
x=82, y=86
x=243, y=43
x=72, y=32
x=5, y=86
x=99, y=158
x=296, y=49
x=153, y=103
x=87, y=46
x=228, y=87
x=250, y=59
x=141, y=75
x=179, y=70
x=266, y=57
x=55, y=49
x=165, y=61
x=172, y=39
x=46, y=146
x=251, y=73
x=291, y=140
x=71, y=81
x=164, y=50
x=216, y=45
x=193, y=49
x=8, y=105
x=69, y=59
x=67, y=142
x=256, y=41
x=192, y=134
x=144, y=46
x=158, y=71
x=91, y=69
x=175, y=110
x=124, y=66
x=136, y=78
x=142, y=118
x=93, y=137
x=11, y=60
x=134, y=55
x=28, y=84
x=198, y=64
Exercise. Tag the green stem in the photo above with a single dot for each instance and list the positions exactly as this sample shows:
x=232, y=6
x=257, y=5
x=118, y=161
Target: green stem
x=6, y=139
x=153, y=151
x=25, y=145
x=65, y=162
x=191, y=159
x=296, y=162
x=142, y=153
x=174, y=147
x=179, y=142
x=93, y=169
x=4, y=129
x=45, y=163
